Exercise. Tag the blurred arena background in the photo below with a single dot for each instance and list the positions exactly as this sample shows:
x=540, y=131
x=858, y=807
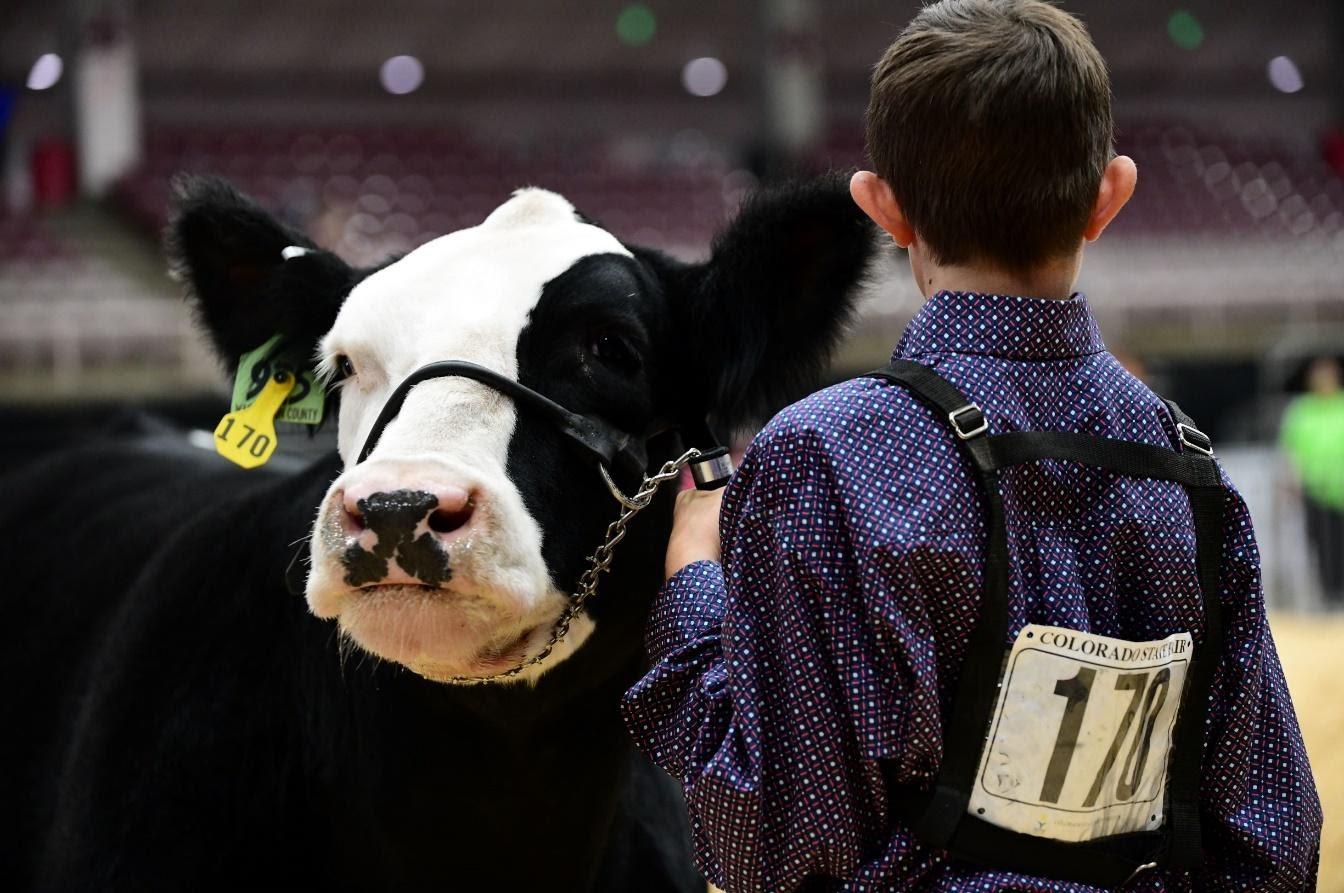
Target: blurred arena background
x=379, y=126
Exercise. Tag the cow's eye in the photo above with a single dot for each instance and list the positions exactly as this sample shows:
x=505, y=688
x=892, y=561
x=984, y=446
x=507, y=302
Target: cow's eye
x=614, y=351
x=344, y=368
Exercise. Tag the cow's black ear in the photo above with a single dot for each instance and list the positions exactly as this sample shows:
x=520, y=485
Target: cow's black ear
x=761, y=317
x=248, y=275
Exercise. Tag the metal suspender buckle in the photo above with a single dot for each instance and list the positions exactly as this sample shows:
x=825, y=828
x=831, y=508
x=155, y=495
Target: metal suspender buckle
x=1195, y=439
x=1147, y=866
x=976, y=424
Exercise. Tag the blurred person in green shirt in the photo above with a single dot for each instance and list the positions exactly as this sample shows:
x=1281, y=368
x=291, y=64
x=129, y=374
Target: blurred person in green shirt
x=1313, y=437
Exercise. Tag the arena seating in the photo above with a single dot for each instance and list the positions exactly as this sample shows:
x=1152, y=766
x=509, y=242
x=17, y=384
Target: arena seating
x=65, y=306
x=1210, y=184
x=368, y=193
x=1203, y=183
x=24, y=240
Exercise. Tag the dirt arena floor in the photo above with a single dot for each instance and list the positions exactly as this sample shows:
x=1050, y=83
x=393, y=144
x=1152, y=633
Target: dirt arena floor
x=1312, y=650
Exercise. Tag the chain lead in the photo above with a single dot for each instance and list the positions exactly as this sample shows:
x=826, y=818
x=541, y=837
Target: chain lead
x=598, y=563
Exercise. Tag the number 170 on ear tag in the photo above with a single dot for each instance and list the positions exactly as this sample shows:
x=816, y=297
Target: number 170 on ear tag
x=247, y=436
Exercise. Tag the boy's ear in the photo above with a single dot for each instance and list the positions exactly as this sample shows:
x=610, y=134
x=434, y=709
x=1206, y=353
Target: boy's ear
x=873, y=194
x=1117, y=188
x=249, y=276
x=758, y=321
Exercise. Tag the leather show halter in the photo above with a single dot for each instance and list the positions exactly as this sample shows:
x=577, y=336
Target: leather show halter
x=598, y=442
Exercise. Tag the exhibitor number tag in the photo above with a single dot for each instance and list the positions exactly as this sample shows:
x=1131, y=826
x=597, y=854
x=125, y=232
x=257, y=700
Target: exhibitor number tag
x=1082, y=735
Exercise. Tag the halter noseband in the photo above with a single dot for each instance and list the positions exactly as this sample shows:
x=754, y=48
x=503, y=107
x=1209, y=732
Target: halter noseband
x=599, y=442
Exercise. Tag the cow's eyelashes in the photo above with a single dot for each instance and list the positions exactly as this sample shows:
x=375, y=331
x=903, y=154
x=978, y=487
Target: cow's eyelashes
x=614, y=351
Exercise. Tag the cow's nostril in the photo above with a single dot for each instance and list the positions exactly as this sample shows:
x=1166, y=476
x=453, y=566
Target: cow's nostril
x=448, y=520
x=351, y=514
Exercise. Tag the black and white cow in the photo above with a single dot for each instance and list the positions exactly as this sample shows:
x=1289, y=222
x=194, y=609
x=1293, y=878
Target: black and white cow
x=176, y=719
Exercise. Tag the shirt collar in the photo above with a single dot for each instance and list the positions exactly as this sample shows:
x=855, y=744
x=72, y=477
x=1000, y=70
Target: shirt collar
x=1003, y=326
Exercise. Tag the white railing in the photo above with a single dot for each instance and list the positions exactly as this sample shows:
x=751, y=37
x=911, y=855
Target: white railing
x=1288, y=565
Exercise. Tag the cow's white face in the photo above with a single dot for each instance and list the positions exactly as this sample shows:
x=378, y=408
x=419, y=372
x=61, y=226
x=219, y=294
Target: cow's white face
x=453, y=549
x=486, y=600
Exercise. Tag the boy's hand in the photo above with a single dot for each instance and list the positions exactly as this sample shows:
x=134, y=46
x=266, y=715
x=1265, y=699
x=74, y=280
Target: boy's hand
x=695, y=529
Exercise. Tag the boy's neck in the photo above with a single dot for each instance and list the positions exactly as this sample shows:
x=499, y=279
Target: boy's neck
x=1054, y=280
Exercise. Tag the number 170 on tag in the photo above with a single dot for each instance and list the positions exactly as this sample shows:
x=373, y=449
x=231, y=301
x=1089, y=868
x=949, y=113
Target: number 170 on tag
x=1081, y=739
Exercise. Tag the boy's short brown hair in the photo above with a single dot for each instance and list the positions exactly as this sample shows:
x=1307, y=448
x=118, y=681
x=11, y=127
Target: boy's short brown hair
x=991, y=122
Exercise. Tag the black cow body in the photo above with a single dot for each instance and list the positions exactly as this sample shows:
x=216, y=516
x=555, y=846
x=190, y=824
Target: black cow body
x=187, y=724
x=179, y=718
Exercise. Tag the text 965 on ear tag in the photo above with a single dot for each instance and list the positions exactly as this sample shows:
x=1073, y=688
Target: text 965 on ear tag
x=247, y=437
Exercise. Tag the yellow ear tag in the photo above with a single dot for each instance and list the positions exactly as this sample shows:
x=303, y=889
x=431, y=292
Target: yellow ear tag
x=247, y=436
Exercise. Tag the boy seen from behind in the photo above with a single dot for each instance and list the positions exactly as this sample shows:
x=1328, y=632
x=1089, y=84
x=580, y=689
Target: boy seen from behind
x=823, y=628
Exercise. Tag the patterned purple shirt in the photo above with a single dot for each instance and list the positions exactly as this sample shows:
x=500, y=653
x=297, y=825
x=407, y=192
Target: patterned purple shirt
x=832, y=635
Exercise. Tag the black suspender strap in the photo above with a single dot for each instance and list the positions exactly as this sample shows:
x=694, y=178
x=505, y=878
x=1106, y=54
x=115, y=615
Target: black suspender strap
x=964, y=417
x=939, y=816
x=1206, y=504
x=1141, y=460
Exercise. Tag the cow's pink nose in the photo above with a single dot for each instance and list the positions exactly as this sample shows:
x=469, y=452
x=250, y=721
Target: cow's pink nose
x=445, y=509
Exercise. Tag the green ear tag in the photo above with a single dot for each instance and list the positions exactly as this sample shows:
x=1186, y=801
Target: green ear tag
x=304, y=404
